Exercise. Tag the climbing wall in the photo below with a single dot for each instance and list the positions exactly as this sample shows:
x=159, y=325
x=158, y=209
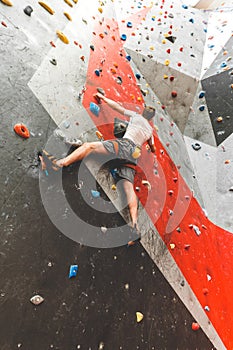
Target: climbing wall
x=152, y=54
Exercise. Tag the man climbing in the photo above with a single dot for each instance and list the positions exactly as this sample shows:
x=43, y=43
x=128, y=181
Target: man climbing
x=126, y=150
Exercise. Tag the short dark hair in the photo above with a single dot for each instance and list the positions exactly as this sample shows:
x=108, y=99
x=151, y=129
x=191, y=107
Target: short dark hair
x=148, y=112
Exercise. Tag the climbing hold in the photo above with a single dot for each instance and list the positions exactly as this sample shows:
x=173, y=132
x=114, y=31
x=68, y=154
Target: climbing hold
x=46, y=7
x=163, y=41
x=172, y=246
x=97, y=72
x=28, y=10
x=94, y=109
x=7, y=2
x=174, y=93
x=123, y=37
x=129, y=24
x=201, y=108
x=179, y=64
x=170, y=192
x=100, y=90
x=171, y=38
x=223, y=64
x=22, y=130
x=195, y=326
x=68, y=16
x=191, y=20
x=168, y=50
x=119, y=80
x=165, y=76
x=202, y=94
x=196, y=146
x=128, y=58
x=185, y=6
x=146, y=183
x=207, y=308
x=100, y=9
x=113, y=70
x=139, y=316
x=103, y=229
x=114, y=187
x=95, y=194
x=167, y=62
x=205, y=291
x=151, y=48
x=138, y=76
x=219, y=119
x=75, y=1
x=92, y=47
x=37, y=299
x=52, y=44
x=53, y=61
x=69, y=3
x=101, y=35
x=62, y=37
x=186, y=246
x=73, y=271
x=4, y=24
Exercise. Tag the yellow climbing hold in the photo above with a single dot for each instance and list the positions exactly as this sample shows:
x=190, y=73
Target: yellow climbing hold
x=219, y=119
x=62, y=37
x=167, y=62
x=165, y=76
x=100, y=9
x=69, y=3
x=7, y=2
x=75, y=1
x=114, y=187
x=46, y=7
x=163, y=41
x=152, y=48
x=68, y=16
x=139, y=316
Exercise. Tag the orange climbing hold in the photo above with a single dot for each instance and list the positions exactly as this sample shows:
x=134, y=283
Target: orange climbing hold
x=22, y=130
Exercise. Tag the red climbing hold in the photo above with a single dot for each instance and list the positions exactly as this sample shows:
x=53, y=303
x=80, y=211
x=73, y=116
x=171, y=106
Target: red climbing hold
x=195, y=326
x=52, y=44
x=168, y=50
x=174, y=93
x=172, y=78
x=22, y=130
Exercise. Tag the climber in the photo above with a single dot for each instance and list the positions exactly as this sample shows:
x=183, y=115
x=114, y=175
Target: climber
x=126, y=150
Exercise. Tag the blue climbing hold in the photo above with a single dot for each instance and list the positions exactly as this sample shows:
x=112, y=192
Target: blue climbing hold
x=138, y=76
x=202, y=94
x=201, y=108
x=185, y=6
x=97, y=72
x=129, y=24
x=95, y=193
x=191, y=20
x=73, y=271
x=123, y=37
x=223, y=65
x=128, y=57
x=94, y=109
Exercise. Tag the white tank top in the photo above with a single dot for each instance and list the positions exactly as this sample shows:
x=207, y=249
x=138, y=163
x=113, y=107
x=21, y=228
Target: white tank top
x=139, y=130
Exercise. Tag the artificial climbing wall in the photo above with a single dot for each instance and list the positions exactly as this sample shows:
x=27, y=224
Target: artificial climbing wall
x=161, y=68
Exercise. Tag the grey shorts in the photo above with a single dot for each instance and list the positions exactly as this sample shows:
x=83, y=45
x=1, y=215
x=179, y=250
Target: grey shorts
x=123, y=157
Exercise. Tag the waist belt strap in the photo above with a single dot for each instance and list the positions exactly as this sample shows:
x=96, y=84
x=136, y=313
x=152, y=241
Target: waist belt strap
x=130, y=165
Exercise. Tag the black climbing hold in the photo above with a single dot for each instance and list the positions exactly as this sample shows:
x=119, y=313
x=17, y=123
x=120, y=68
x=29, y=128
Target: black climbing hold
x=100, y=90
x=196, y=146
x=28, y=10
x=138, y=76
x=171, y=38
x=53, y=61
x=143, y=60
x=119, y=80
x=92, y=47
